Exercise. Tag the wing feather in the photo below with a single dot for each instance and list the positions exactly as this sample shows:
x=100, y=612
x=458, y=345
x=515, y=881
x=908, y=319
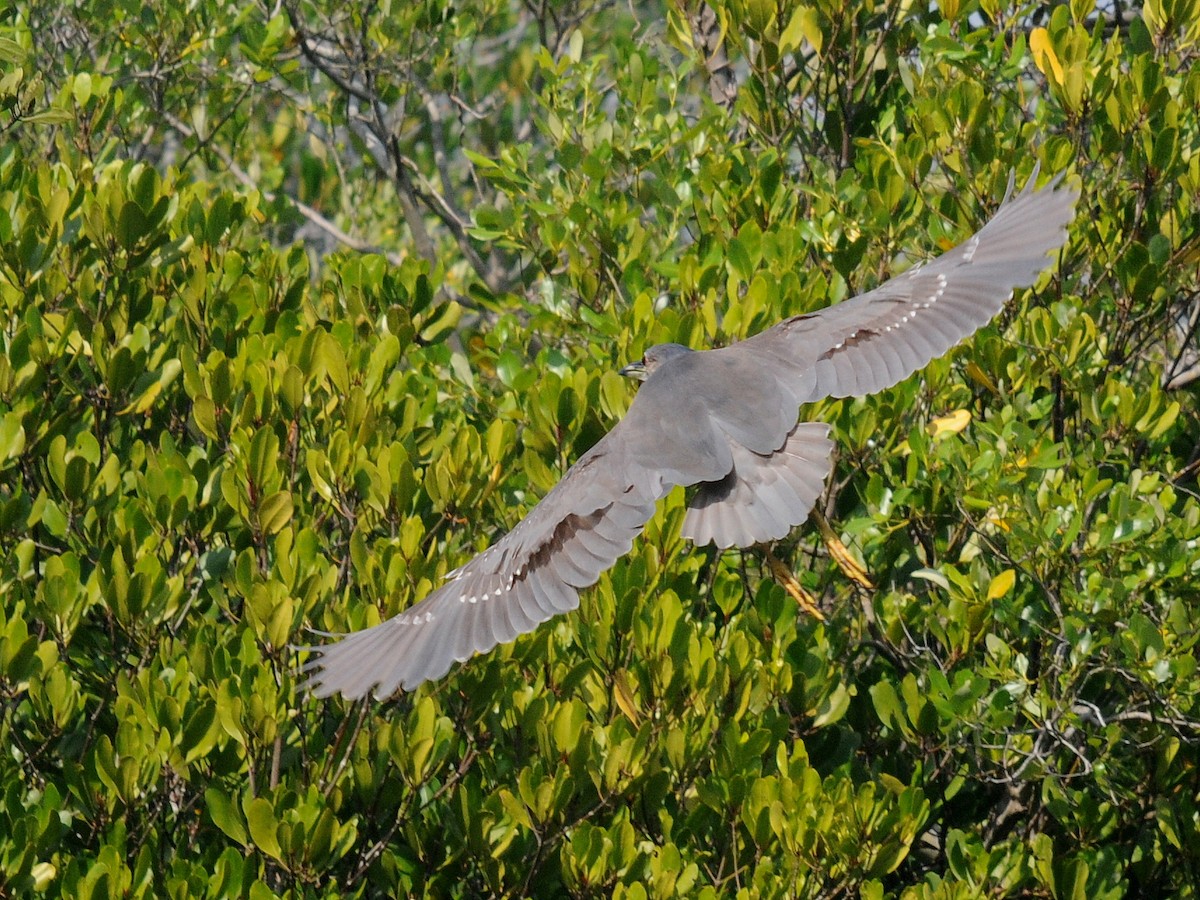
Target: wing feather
x=874, y=340
x=534, y=572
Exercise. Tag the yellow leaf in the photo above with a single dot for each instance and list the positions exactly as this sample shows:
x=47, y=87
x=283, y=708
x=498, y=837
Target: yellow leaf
x=982, y=378
x=1044, y=56
x=805, y=25
x=43, y=875
x=145, y=401
x=1001, y=584
x=623, y=695
x=950, y=424
x=493, y=480
x=997, y=520
x=850, y=567
x=1189, y=254
x=170, y=370
x=806, y=601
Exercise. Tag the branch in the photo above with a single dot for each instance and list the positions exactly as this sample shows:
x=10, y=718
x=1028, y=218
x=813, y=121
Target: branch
x=320, y=63
x=303, y=208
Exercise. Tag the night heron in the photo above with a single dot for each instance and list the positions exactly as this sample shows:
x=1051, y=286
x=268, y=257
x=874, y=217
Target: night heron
x=722, y=419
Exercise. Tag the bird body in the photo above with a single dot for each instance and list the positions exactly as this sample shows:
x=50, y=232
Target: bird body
x=725, y=420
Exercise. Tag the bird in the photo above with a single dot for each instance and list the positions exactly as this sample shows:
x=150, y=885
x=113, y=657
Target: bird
x=723, y=420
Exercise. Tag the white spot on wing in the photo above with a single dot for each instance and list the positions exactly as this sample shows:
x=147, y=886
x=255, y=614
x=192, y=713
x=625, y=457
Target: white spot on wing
x=969, y=250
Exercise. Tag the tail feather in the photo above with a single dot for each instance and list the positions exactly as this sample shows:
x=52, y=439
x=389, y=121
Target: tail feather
x=765, y=496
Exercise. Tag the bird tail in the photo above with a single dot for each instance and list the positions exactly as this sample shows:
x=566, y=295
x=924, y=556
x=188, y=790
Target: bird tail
x=765, y=496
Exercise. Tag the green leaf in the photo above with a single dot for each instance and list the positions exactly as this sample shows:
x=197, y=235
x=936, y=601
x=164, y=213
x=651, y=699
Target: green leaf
x=11, y=51
x=887, y=703
x=82, y=88
x=132, y=226
x=262, y=464
x=275, y=511
x=1159, y=247
x=260, y=819
x=50, y=117
x=12, y=437
x=204, y=414
x=224, y=814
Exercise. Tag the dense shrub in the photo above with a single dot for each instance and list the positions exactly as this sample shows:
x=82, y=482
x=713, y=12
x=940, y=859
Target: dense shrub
x=218, y=433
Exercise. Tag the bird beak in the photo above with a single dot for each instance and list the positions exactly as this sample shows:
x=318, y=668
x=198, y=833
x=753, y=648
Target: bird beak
x=634, y=370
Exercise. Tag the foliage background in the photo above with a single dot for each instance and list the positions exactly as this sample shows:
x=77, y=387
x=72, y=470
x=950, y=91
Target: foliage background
x=304, y=303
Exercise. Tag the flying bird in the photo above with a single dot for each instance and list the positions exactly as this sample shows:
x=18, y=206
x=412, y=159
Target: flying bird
x=725, y=420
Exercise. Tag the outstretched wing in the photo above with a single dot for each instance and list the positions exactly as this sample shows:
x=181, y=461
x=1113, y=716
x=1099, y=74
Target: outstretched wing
x=864, y=345
x=874, y=340
x=579, y=529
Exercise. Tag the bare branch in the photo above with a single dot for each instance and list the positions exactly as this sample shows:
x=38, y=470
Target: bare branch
x=303, y=208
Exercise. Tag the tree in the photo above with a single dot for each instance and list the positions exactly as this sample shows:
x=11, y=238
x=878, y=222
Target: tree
x=303, y=305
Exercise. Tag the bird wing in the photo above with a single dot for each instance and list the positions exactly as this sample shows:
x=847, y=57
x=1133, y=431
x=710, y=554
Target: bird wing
x=579, y=529
x=874, y=340
x=858, y=347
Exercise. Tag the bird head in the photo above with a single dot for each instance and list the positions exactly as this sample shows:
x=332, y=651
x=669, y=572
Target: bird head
x=652, y=359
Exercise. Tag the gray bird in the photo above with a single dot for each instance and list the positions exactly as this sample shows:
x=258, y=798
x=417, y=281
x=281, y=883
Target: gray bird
x=722, y=419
